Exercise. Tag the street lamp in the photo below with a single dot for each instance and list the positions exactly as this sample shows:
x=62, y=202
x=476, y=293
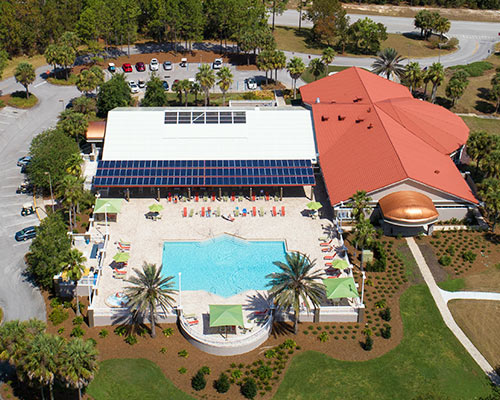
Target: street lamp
x=50, y=185
x=106, y=220
x=179, y=305
x=363, y=286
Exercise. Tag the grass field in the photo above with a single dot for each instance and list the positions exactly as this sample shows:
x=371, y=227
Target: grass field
x=133, y=379
x=481, y=124
x=480, y=320
x=308, y=77
x=37, y=61
x=18, y=100
x=452, y=285
x=291, y=39
x=428, y=360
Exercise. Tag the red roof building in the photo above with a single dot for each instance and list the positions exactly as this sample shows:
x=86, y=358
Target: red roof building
x=371, y=133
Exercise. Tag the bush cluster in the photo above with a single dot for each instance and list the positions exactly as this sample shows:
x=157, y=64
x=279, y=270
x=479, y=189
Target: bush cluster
x=380, y=258
x=474, y=69
x=222, y=384
x=58, y=315
x=445, y=260
x=249, y=388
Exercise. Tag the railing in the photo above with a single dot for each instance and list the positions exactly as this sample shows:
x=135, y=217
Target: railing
x=263, y=331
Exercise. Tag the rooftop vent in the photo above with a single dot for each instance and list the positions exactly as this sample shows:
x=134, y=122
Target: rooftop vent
x=357, y=99
x=317, y=100
x=369, y=109
x=324, y=118
x=359, y=120
x=370, y=126
x=436, y=171
x=341, y=117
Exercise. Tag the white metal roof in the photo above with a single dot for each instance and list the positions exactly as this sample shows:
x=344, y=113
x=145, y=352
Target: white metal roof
x=267, y=134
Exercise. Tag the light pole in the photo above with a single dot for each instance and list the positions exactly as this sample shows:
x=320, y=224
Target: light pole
x=51, y=193
x=363, y=286
x=106, y=220
x=180, y=304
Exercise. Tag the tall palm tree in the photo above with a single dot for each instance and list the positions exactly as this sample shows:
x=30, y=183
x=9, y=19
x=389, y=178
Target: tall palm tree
x=388, y=62
x=74, y=165
x=436, y=77
x=414, y=75
x=364, y=234
x=265, y=62
x=149, y=290
x=316, y=67
x=74, y=265
x=225, y=81
x=491, y=164
x=14, y=336
x=442, y=26
x=41, y=361
x=296, y=68
x=294, y=283
x=195, y=90
x=184, y=86
x=490, y=194
x=359, y=202
x=70, y=189
x=278, y=62
x=327, y=57
x=206, y=78
x=80, y=364
x=427, y=79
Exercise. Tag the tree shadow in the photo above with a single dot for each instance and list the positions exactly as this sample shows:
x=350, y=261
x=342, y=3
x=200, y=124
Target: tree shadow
x=484, y=107
x=444, y=102
x=281, y=328
x=413, y=36
x=483, y=93
x=492, y=237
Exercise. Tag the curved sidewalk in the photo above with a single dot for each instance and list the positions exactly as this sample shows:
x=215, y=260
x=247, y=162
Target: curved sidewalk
x=447, y=296
x=446, y=314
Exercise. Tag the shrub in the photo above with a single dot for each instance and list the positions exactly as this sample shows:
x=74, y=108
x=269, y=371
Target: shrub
x=183, y=354
x=222, y=384
x=58, y=315
x=385, y=314
x=77, y=332
x=249, y=389
x=386, y=331
x=103, y=333
x=368, y=344
x=182, y=370
x=131, y=340
x=380, y=258
x=289, y=344
x=120, y=330
x=451, y=250
x=55, y=302
x=450, y=44
x=78, y=320
x=474, y=69
x=198, y=382
x=445, y=260
x=264, y=372
x=167, y=332
x=93, y=341
x=163, y=350
x=68, y=304
x=205, y=370
x=60, y=331
x=381, y=303
x=236, y=374
x=271, y=353
x=469, y=256
x=323, y=337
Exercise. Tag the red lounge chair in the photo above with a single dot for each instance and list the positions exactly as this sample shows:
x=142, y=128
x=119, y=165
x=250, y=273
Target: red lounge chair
x=119, y=272
x=202, y=211
x=209, y=212
x=274, y=211
x=263, y=312
x=233, y=198
x=123, y=247
x=193, y=322
x=282, y=211
x=327, y=249
x=213, y=196
x=326, y=243
x=328, y=264
x=185, y=212
x=196, y=197
x=330, y=257
x=254, y=211
x=267, y=196
x=170, y=197
x=253, y=197
x=176, y=199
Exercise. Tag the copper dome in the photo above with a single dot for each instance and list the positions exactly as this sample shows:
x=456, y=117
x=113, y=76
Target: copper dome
x=408, y=206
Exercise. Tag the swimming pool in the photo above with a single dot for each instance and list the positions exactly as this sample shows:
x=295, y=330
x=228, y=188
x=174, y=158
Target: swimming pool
x=224, y=265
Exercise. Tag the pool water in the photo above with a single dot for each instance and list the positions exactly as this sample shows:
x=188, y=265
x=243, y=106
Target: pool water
x=224, y=265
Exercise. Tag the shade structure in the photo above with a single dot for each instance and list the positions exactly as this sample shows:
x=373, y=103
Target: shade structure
x=226, y=315
x=340, y=264
x=155, y=207
x=314, y=205
x=121, y=257
x=340, y=288
x=110, y=206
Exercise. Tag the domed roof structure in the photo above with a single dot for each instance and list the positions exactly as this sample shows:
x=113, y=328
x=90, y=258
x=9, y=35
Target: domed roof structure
x=408, y=206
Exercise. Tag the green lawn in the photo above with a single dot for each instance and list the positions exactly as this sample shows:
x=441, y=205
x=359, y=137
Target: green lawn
x=482, y=124
x=428, y=360
x=308, y=77
x=133, y=379
x=452, y=285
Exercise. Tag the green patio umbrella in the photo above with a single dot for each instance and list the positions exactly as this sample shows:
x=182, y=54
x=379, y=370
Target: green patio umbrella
x=314, y=205
x=226, y=315
x=340, y=264
x=121, y=257
x=155, y=207
x=340, y=288
x=110, y=206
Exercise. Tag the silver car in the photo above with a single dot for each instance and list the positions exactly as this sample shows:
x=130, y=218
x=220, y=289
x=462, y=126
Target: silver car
x=167, y=66
x=133, y=87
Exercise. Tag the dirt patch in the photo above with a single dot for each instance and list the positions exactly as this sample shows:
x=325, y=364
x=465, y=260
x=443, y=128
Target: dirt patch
x=480, y=320
x=437, y=270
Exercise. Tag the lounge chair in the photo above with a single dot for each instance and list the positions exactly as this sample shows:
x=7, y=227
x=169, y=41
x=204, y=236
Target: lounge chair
x=209, y=212
x=205, y=198
x=261, y=312
x=213, y=196
x=196, y=198
x=184, y=212
x=261, y=212
x=254, y=211
x=253, y=197
x=244, y=212
x=267, y=196
x=225, y=198
x=330, y=257
x=233, y=198
x=236, y=212
x=217, y=213
x=193, y=322
x=323, y=238
x=240, y=198
x=274, y=211
x=170, y=197
x=202, y=211
x=191, y=213
x=282, y=211
x=326, y=249
x=324, y=244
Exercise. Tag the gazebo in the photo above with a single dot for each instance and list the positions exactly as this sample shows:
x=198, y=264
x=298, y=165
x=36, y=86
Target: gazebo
x=107, y=209
x=226, y=315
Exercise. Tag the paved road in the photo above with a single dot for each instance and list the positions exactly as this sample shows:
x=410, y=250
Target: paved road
x=462, y=295
x=446, y=314
x=18, y=298
x=476, y=38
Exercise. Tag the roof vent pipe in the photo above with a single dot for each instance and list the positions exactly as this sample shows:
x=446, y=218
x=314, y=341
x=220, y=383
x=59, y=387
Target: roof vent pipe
x=324, y=118
x=317, y=100
x=370, y=126
x=341, y=117
x=369, y=109
x=359, y=120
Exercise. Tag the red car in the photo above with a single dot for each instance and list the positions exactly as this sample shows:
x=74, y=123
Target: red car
x=127, y=67
x=140, y=66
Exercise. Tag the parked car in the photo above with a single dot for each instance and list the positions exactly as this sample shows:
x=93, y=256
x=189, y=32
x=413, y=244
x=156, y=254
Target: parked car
x=140, y=66
x=251, y=84
x=25, y=234
x=165, y=85
x=133, y=87
x=183, y=62
x=167, y=66
x=154, y=64
x=23, y=161
x=111, y=67
x=24, y=168
x=127, y=67
x=28, y=209
x=24, y=188
x=141, y=84
x=217, y=63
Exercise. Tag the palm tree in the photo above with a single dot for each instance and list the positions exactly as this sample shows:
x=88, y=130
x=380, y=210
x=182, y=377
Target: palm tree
x=74, y=165
x=225, y=81
x=278, y=62
x=41, y=361
x=206, y=78
x=14, y=336
x=296, y=68
x=442, y=26
x=364, y=234
x=491, y=164
x=74, y=267
x=70, y=188
x=195, y=90
x=316, y=67
x=265, y=62
x=184, y=86
x=388, y=62
x=490, y=194
x=294, y=283
x=327, y=57
x=359, y=202
x=436, y=77
x=149, y=290
x=80, y=364
x=414, y=75
x=176, y=88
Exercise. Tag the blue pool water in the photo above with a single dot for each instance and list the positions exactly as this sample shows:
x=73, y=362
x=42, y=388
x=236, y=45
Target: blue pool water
x=224, y=265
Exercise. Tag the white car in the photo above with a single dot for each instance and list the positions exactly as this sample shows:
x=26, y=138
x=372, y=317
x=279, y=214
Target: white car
x=133, y=87
x=141, y=84
x=217, y=63
x=251, y=84
x=154, y=64
x=167, y=66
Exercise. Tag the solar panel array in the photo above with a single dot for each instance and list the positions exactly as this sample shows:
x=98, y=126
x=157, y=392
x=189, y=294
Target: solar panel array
x=205, y=117
x=176, y=173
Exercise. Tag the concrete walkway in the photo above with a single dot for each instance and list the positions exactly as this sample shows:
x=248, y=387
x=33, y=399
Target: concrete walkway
x=437, y=294
x=447, y=296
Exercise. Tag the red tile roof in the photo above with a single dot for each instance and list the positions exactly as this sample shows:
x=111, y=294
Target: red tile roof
x=372, y=133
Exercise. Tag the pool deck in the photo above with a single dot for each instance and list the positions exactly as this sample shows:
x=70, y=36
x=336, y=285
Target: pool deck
x=296, y=228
